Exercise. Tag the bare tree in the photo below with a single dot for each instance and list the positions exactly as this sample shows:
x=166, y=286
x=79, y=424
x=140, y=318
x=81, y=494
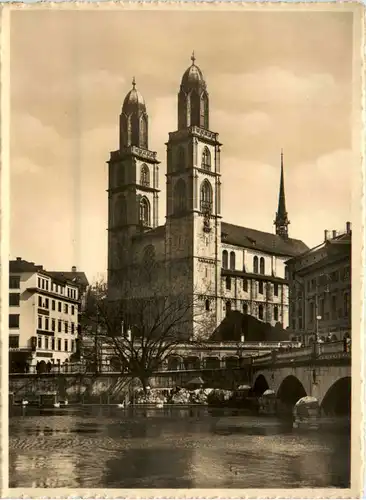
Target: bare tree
x=144, y=325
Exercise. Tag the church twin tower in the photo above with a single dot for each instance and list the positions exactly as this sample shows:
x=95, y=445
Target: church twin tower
x=193, y=190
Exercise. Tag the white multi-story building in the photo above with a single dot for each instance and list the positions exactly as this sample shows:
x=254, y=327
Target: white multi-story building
x=43, y=315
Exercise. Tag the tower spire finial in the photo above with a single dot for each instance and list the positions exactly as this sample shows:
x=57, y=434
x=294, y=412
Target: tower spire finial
x=193, y=59
x=282, y=221
x=133, y=82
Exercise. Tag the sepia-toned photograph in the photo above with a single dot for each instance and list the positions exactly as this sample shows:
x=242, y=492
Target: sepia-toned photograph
x=185, y=230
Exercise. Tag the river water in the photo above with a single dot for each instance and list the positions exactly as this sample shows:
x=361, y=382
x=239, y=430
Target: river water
x=108, y=447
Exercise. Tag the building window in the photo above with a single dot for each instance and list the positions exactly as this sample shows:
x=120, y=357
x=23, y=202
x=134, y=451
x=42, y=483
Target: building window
x=206, y=197
x=66, y=327
x=53, y=323
x=66, y=308
x=275, y=313
x=14, y=282
x=181, y=161
x=225, y=261
x=14, y=341
x=206, y=159
x=39, y=283
x=40, y=303
x=72, y=310
x=59, y=326
x=260, y=287
x=46, y=343
x=232, y=261
x=59, y=307
x=72, y=346
x=255, y=264
x=14, y=320
x=262, y=266
x=228, y=307
x=228, y=283
x=53, y=305
x=46, y=326
x=59, y=344
x=180, y=197
x=275, y=289
x=144, y=212
x=53, y=344
x=321, y=308
x=145, y=175
x=39, y=342
x=14, y=299
x=260, y=311
x=245, y=308
x=47, y=304
x=346, y=304
x=245, y=285
x=66, y=346
x=72, y=328
x=334, y=307
x=207, y=304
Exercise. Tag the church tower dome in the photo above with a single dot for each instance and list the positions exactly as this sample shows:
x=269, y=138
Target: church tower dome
x=193, y=109
x=134, y=120
x=134, y=102
x=193, y=78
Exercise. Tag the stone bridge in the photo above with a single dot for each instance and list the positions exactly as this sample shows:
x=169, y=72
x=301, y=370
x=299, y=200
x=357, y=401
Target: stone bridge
x=321, y=370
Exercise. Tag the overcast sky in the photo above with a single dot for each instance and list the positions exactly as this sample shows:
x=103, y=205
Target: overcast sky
x=276, y=80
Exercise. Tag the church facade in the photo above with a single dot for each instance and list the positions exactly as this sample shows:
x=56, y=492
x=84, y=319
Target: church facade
x=227, y=267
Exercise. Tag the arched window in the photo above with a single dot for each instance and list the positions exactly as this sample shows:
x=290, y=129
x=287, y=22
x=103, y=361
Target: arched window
x=228, y=283
x=346, y=304
x=195, y=109
x=143, y=132
x=145, y=175
x=260, y=311
x=228, y=307
x=245, y=308
x=120, y=212
x=144, y=212
x=206, y=196
x=255, y=264
x=232, y=261
x=181, y=159
x=275, y=313
x=245, y=285
x=204, y=111
x=262, y=266
x=180, y=197
x=206, y=159
x=225, y=261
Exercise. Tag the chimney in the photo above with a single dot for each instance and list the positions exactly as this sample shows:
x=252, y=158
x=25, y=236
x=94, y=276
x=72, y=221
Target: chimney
x=19, y=258
x=325, y=234
x=348, y=227
x=73, y=269
x=334, y=233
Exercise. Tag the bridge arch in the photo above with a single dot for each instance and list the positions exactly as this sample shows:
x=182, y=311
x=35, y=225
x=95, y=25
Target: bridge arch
x=337, y=400
x=291, y=390
x=260, y=385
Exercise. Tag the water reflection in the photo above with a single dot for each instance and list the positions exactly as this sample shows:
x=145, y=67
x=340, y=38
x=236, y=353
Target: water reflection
x=183, y=448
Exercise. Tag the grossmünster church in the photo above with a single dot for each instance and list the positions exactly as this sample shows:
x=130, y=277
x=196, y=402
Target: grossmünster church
x=227, y=267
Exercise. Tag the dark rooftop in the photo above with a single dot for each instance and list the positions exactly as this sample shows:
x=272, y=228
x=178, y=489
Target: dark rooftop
x=260, y=240
x=20, y=265
x=78, y=277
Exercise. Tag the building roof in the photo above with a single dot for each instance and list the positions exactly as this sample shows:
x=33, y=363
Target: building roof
x=262, y=241
x=134, y=102
x=77, y=277
x=20, y=265
x=193, y=78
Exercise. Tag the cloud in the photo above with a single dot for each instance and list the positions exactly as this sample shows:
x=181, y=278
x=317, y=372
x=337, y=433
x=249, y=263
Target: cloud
x=252, y=123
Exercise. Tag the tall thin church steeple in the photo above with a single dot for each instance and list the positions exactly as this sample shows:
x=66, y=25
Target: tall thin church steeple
x=281, y=222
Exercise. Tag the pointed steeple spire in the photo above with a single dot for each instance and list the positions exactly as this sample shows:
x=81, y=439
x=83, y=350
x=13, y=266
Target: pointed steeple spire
x=282, y=221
